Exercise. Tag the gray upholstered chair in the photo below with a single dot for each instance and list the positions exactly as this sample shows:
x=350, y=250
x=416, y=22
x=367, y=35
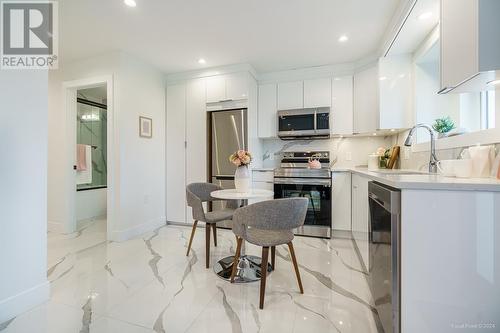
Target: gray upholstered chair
x=196, y=195
x=267, y=224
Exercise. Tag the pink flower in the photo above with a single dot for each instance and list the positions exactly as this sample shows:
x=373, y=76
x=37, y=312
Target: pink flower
x=380, y=151
x=241, y=153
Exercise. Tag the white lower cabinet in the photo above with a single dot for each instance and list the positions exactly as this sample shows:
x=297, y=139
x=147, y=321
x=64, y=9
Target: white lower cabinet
x=360, y=211
x=341, y=201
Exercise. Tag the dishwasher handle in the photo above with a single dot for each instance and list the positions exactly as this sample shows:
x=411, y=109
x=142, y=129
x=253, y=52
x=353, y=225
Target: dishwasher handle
x=385, y=196
x=379, y=201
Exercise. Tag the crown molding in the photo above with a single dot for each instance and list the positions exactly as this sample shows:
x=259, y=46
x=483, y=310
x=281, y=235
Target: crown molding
x=212, y=71
x=397, y=22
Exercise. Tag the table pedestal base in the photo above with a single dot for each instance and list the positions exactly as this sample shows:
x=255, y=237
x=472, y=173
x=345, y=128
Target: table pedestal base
x=248, y=269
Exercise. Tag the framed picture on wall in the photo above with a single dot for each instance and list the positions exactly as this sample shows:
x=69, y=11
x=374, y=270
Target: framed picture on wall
x=145, y=127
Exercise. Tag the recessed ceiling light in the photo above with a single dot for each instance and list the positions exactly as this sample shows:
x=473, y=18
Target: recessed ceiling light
x=343, y=38
x=494, y=82
x=374, y=134
x=130, y=3
x=382, y=78
x=201, y=61
x=425, y=16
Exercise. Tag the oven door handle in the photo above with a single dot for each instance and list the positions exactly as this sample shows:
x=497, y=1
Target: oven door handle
x=303, y=181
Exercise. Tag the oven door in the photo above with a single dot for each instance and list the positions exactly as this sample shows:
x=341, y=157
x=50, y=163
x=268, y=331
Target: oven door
x=319, y=211
x=296, y=123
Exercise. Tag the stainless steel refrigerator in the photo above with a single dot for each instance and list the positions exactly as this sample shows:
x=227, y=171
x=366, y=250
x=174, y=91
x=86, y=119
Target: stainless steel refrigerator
x=228, y=132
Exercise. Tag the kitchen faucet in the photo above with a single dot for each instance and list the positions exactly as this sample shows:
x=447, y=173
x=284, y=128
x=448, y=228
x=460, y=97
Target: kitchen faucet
x=433, y=159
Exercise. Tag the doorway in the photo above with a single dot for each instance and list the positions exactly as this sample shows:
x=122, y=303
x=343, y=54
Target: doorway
x=89, y=179
x=91, y=158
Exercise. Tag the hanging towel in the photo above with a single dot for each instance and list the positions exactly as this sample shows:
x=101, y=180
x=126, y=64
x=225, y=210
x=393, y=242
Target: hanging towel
x=85, y=176
x=81, y=157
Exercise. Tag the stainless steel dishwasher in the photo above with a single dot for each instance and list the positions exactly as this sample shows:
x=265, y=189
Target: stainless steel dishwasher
x=384, y=253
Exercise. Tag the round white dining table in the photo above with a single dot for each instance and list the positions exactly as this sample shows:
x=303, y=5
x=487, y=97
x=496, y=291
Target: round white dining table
x=249, y=267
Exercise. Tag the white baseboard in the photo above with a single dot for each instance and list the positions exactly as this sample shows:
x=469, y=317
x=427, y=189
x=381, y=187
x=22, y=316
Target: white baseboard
x=56, y=227
x=123, y=235
x=85, y=222
x=24, y=301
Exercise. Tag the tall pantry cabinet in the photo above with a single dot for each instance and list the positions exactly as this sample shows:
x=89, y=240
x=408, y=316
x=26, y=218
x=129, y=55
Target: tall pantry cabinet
x=187, y=111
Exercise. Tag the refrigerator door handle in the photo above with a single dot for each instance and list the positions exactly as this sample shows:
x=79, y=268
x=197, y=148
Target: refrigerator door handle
x=223, y=177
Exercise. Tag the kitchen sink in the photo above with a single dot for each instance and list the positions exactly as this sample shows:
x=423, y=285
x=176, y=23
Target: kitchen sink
x=401, y=172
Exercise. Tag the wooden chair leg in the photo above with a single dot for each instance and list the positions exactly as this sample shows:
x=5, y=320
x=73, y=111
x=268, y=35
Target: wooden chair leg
x=192, y=236
x=295, y=266
x=263, y=272
x=273, y=256
x=207, y=244
x=214, y=227
x=236, y=258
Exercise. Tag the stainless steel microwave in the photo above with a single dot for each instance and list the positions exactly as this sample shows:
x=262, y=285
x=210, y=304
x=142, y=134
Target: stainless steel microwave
x=310, y=123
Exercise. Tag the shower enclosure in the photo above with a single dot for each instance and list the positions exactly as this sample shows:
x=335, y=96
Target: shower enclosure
x=92, y=131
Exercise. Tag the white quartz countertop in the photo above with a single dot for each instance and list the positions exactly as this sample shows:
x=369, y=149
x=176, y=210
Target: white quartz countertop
x=423, y=181
x=263, y=169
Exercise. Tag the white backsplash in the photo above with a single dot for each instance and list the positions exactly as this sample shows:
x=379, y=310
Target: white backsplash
x=357, y=147
x=420, y=160
x=340, y=148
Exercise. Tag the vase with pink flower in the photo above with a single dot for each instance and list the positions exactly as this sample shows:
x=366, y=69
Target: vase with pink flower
x=242, y=178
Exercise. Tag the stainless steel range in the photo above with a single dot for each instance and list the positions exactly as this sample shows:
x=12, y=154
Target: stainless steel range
x=294, y=178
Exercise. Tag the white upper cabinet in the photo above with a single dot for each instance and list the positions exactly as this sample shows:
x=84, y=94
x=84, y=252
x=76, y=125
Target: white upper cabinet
x=341, y=113
x=395, y=91
x=227, y=87
x=267, y=108
x=366, y=106
x=236, y=86
x=469, y=44
x=216, y=89
x=317, y=93
x=383, y=95
x=290, y=95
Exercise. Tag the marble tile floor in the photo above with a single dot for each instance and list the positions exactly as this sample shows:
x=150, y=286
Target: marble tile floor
x=148, y=284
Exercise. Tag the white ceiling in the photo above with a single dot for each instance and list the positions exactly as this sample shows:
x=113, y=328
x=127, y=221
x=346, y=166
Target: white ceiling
x=268, y=34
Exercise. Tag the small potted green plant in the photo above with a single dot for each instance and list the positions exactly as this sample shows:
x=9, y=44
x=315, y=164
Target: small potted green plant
x=443, y=126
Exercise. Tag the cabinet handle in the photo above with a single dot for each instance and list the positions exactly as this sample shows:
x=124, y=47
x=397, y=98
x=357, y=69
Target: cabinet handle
x=226, y=100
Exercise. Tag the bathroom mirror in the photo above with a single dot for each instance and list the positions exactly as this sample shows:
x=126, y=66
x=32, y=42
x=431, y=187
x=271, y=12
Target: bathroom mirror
x=453, y=114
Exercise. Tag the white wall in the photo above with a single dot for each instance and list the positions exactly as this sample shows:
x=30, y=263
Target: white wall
x=142, y=161
x=139, y=163
x=90, y=204
x=58, y=203
x=23, y=196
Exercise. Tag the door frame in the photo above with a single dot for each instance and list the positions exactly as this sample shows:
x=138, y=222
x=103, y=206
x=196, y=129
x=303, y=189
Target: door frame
x=70, y=89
